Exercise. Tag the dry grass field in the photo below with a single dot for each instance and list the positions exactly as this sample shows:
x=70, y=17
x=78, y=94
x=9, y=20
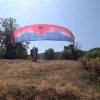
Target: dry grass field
x=44, y=80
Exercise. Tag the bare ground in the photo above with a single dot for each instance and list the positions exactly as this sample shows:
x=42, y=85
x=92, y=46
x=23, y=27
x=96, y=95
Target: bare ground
x=44, y=80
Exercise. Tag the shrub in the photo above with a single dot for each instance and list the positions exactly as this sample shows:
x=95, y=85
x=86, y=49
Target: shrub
x=91, y=64
x=93, y=53
x=84, y=63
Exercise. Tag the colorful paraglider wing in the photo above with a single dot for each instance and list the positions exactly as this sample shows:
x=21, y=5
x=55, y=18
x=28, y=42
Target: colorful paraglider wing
x=39, y=32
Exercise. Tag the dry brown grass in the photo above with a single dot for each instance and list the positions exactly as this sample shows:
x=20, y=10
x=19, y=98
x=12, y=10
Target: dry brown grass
x=43, y=80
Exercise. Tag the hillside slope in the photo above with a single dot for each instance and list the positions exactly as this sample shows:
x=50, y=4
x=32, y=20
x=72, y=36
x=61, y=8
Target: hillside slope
x=44, y=80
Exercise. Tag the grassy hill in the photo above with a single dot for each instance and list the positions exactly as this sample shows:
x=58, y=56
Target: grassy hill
x=44, y=80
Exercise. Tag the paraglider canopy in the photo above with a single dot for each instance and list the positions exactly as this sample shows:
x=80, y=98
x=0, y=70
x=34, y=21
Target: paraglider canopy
x=38, y=32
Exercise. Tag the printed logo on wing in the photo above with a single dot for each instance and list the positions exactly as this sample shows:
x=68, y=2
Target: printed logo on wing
x=40, y=27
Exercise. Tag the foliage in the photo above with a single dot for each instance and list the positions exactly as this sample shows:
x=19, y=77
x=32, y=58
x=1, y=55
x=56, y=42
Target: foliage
x=93, y=53
x=84, y=64
x=91, y=71
x=57, y=54
x=72, y=52
x=8, y=25
x=2, y=52
x=91, y=64
x=91, y=68
x=49, y=54
x=65, y=55
x=20, y=51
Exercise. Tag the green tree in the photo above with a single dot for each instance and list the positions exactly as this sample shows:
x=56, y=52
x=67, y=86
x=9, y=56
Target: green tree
x=7, y=26
x=71, y=51
x=65, y=55
x=57, y=54
x=93, y=53
x=49, y=54
x=2, y=47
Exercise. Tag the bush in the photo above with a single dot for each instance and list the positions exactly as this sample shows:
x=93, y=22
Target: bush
x=85, y=64
x=90, y=64
x=93, y=53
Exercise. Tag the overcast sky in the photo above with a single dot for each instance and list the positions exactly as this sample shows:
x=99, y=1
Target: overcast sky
x=81, y=17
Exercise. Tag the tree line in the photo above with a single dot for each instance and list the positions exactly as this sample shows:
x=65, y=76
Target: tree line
x=70, y=52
